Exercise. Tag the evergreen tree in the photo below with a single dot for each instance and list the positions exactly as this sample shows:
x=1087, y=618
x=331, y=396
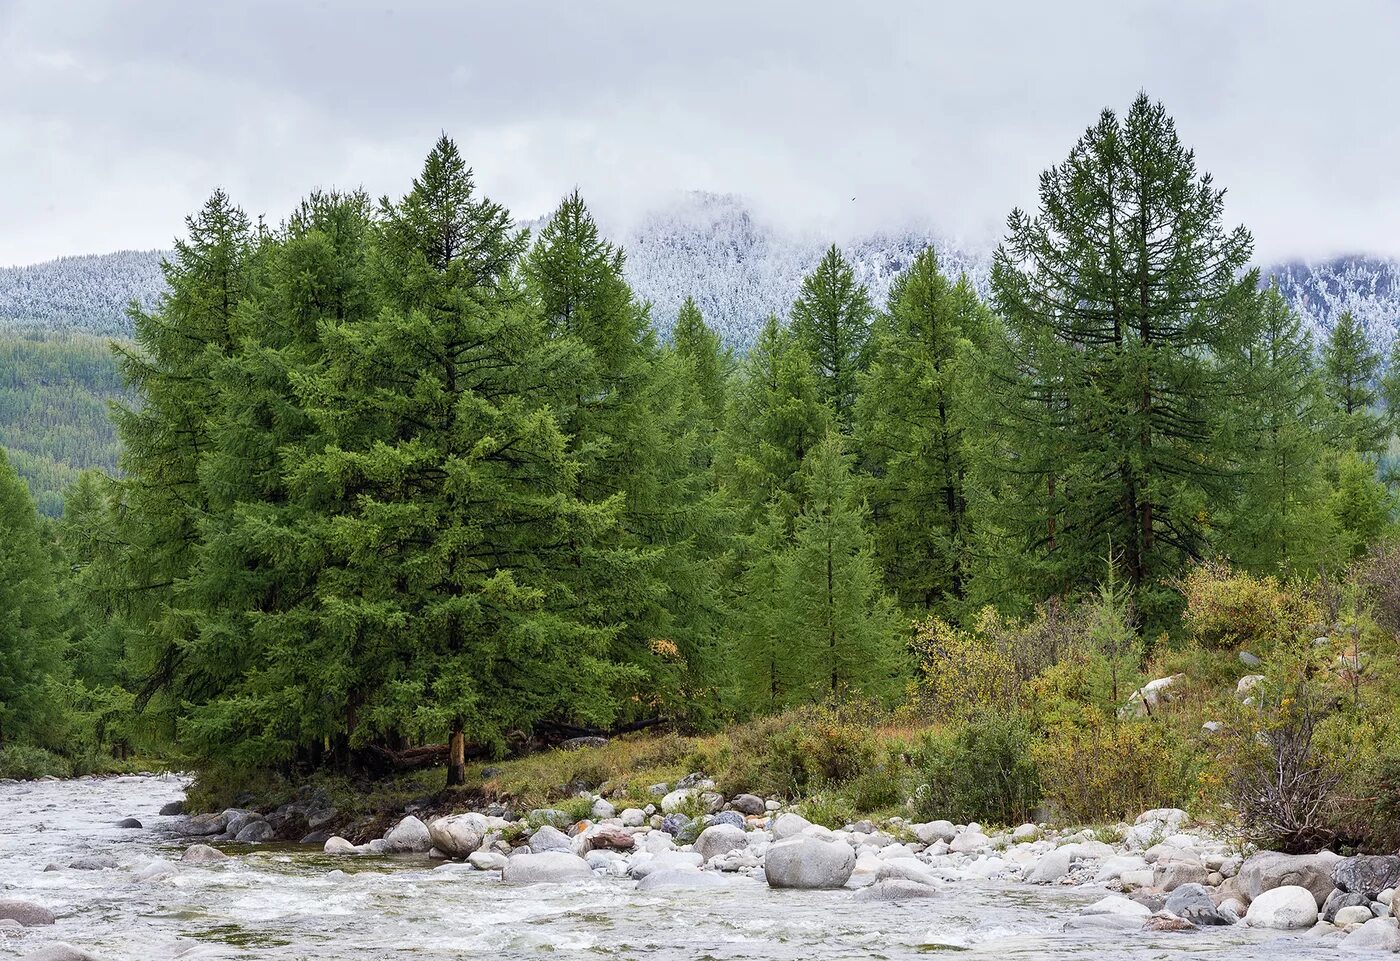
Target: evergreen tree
x=1349, y=369
x=707, y=362
x=840, y=629
x=30, y=642
x=910, y=422
x=831, y=318
x=1119, y=297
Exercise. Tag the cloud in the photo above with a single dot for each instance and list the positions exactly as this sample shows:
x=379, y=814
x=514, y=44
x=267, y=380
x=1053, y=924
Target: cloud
x=117, y=119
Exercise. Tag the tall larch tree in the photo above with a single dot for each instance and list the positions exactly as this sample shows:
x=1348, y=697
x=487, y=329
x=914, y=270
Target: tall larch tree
x=1350, y=366
x=831, y=318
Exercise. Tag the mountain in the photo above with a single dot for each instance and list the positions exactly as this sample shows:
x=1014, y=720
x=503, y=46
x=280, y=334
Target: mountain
x=738, y=268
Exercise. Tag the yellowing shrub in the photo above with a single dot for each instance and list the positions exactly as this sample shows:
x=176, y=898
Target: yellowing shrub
x=961, y=673
x=1227, y=609
x=1111, y=772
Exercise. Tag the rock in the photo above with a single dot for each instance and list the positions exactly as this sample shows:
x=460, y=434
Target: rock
x=320, y=818
x=579, y=743
x=787, y=825
x=748, y=804
x=727, y=817
x=458, y=835
x=203, y=825
x=1170, y=875
x=203, y=854
x=720, y=839
x=548, y=838
x=1050, y=868
x=665, y=861
x=1246, y=685
x=896, y=889
x=551, y=816
x=1109, y=923
x=969, y=842
x=1152, y=695
x=677, y=799
x=93, y=862
x=1165, y=921
x=681, y=879
x=60, y=951
x=1118, y=905
x=1026, y=832
x=1339, y=899
x=339, y=846
x=486, y=860
x=172, y=808
x=1211, y=727
x=802, y=861
x=903, y=869
x=256, y=833
x=316, y=837
x=157, y=870
x=409, y=836
x=1377, y=934
x=1090, y=851
x=1352, y=916
x=27, y=913
x=1112, y=868
x=674, y=824
x=934, y=831
x=603, y=809
x=1367, y=874
x=1268, y=870
x=236, y=819
x=1193, y=903
x=633, y=817
x=129, y=823
x=1289, y=908
x=609, y=837
x=546, y=867
x=1249, y=660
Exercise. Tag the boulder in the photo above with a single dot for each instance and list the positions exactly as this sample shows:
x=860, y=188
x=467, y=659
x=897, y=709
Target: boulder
x=1104, y=923
x=903, y=869
x=93, y=862
x=256, y=833
x=1269, y=869
x=129, y=823
x=969, y=842
x=718, y=839
x=1367, y=874
x=633, y=817
x=157, y=870
x=1246, y=686
x=664, y=861
x=788, y=825
x=172, y=808
x=60, y=951
x=203, y=854
x=802, y=861
x=458, y=835
x=1340, y=899
x=548, y=838
x=1170, y=875
x=339, y=846
x=236, y=819
x=1353, y=916
x=674, y=824
x=1194, y=903
x=895, y=889
x=546, y=867
x=1116, y=904
x=1377, y=934
x=1151, y=696
x=726, y=817
x=933, y=831
x=1249, y=660
x=749, y=804
x=203, y=825
x=27, y=913
x=486, y=860
x=681, y=879
x=603, y=809
x=1291, y=907
x=1050, y=868
x=608, y=837
x=676, y=800
x=409, y=836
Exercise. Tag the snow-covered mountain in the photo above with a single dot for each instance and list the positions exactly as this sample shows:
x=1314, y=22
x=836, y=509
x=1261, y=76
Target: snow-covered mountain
x=738, y=267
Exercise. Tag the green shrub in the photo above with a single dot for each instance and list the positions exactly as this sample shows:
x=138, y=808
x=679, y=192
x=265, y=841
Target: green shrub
x=829, y=810
x=26, y=762
x=983, y=771
x=1112, y=771
x=799, y=751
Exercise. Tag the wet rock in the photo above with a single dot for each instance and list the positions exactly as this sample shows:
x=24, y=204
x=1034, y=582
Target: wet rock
x=317, y=837
x=1104, y=923
x=486, y=860
x=60, y=951
x=157, y=870
x=1268, y=870
x=896, y=889
x=681, y=879
x=459, y=835
x=129, y=824
x=1050, y=868
x=788, y=825
x=203, y=825
x=339, y=846
x=1194, y=903
x=203, y=854
x=546, y=867
x=1367, y=874
x=1377, y=934
x=904, y=869
x=808, y=862
x=93, y=862
x=409, y=836
x=749, y=804
x=664, y=861
x=1117, y=905
x=1289, y=908
x=27, y=913
x=256, y=833
x=1165, y=921
x=718, y=839
x=172, y=808
x=236, y=819
x=547, y=838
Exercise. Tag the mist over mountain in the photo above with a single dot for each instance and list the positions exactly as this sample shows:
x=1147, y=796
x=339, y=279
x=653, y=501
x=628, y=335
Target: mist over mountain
x=738, y=267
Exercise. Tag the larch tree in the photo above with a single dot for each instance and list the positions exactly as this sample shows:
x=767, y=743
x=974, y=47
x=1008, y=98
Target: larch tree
x=831, y=318
x=1350, y=366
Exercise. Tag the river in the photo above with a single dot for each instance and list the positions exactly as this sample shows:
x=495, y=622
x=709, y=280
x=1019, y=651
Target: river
x=292, y=903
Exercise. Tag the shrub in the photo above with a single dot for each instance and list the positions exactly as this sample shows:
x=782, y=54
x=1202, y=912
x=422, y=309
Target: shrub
x=984, y=771
x=962, y=672
x=1227, y=608
x=25, y=762
x=1111, y=771
x=828, y=810
x=795, y=752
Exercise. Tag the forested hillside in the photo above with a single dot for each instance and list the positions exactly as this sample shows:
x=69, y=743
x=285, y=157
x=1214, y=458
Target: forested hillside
x=89, y=294
x=55, y=389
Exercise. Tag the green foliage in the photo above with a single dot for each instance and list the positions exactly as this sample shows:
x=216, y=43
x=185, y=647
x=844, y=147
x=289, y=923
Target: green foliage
x=831, y=320
x=1112, y=771
x=1228, y=609
x=798, y=751
x=982, y=771
x=25, y=762
x=1350, y=366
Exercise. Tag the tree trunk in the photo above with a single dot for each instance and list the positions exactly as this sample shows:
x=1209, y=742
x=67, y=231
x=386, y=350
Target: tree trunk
x=457, y=757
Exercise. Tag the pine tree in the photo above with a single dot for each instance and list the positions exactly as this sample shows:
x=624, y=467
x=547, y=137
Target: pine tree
x=831, y=318
x=910, y=420
x=1349, y=369
x=30, y=639
x=840, y=629
x=708, y=363
x=1119, y=296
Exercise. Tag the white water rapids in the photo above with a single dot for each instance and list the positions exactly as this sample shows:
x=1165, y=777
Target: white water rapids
x=293, y=903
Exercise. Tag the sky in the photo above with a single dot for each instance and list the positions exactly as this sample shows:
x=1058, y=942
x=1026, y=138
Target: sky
x=118, y=118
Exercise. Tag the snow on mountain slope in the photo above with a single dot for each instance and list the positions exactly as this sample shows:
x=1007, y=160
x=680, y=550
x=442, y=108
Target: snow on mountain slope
x=738, y=268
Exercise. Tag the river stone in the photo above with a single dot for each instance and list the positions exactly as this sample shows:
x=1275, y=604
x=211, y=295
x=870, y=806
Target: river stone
x=1291, y=907
x=749, y=804
x=665, y=861
x=548, y=838
x=727, y=817
x=603, y=809
x=546, y=867
x=1193, y=903
x=409, y=836
x=1268, y=870
x=551, y=816
x=93, y=862
x=903, y=869
x=1107, y=923
x=487, y=860
x=1050, y=868
x=1165, y=921
x=609, y=837
x=1377, y=934
x=895, y=889
x=681, y=879
x=1367, y=874
x=60, y=951
x=969, y=842
x=1246, y=685
x=1118, y=905
x=676, y=800
x=27, y=913
x=633, y=817
x=203, y=854
x=1339, y=899
x=236, y=819
x=1172, y=874
x=339, y=846
x=129, y=823
x=458, y=835
x=720, y=839
x=256, y=833
x=172, y=808
x=933, y=831
x=203, y=825
x=808, y=862
x=674, y=824
x=1352, y=916
x=788, y=825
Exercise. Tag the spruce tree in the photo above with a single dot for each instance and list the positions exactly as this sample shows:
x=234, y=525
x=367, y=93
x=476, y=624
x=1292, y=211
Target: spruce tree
x=910, y=422
x=1119, y=297
x=831, y=318
x=1349, y=368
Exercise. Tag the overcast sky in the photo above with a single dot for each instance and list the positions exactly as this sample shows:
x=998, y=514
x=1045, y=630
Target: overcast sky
x=118, y=118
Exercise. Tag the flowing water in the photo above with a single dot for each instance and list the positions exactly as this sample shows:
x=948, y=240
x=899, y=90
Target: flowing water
x=293, y=903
